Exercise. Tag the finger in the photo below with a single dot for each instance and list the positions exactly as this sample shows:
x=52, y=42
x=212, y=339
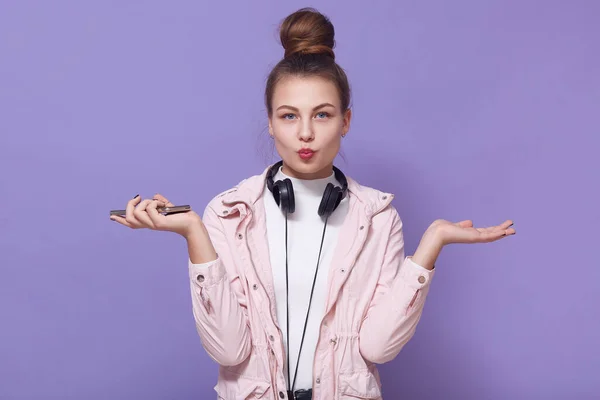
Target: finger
x=505, y=228
x=490, y=229
x=486, y=237
x=141, y=215
x=164, y=200
x=129, y=217
x=510, y=231
x=506, y=224
x=497, y=234
x=156, y=217
x=121, y=220
x=502, y=227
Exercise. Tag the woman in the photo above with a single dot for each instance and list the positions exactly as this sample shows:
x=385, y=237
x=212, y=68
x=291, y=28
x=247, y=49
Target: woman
x=301, y=254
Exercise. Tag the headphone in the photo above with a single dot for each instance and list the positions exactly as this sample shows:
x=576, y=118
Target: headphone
x=283, y=192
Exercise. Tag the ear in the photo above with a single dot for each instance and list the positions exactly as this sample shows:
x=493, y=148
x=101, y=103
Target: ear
x=270, y=126
x=346, y=121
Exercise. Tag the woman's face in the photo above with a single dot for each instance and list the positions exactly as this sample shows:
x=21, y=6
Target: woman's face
x=307, y=114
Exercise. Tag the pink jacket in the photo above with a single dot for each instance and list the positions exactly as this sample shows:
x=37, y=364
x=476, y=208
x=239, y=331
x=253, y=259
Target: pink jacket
x=375, y=298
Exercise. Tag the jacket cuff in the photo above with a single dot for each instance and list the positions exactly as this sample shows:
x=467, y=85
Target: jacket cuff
x=206, y=274
x=414, y=275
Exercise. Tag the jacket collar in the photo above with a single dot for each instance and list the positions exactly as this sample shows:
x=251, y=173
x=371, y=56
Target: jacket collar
x=248, y=191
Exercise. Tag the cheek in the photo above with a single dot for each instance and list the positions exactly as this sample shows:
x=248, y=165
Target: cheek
x=330, y=131
x=283, y=131
x=278, y=127
x=330, y=139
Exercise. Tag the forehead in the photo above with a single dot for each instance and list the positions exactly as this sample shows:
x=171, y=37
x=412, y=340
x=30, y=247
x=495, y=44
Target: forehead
x=305, y=92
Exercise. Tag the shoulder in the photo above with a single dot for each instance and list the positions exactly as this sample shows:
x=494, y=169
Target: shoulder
x=247, y=190
x=377, y=203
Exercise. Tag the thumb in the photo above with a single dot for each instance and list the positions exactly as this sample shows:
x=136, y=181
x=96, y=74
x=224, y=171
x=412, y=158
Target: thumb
x=163, y=199
x=465, y=224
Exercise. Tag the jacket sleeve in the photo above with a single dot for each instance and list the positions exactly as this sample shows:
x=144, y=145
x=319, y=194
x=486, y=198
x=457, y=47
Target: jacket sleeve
x=219, y=303
x=397, y=303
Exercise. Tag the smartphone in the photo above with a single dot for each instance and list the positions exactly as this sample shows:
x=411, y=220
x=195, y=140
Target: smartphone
x=162, y=210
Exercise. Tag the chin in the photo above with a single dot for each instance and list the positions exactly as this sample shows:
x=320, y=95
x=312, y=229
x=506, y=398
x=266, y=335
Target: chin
x=310, y=167
x=307, y=166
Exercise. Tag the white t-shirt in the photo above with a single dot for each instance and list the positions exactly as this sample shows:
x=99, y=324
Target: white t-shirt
x=305, y=231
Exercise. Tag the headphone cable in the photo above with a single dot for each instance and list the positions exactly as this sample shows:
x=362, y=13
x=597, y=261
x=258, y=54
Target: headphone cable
x=309, y=303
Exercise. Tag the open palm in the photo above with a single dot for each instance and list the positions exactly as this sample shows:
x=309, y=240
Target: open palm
x=465, y=232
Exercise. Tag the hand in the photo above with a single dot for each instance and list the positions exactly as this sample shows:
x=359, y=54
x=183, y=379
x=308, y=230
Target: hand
x=144, y=214
x=464, y=232
x=442, y=232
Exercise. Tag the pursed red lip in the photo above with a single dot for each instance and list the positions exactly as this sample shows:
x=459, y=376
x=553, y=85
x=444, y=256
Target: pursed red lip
x=305, y=154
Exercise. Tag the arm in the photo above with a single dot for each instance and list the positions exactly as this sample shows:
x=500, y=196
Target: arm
x=404, y=282
x=397, y=304
x=218, y=299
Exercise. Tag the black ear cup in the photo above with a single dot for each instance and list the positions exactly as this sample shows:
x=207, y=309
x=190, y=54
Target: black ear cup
x=332, y=196
x=283, y=193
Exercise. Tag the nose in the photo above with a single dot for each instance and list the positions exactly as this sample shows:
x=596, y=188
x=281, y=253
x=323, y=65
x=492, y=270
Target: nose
x=306, y=131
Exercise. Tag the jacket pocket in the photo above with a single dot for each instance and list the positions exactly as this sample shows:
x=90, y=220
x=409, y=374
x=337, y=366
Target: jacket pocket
x=358, y=385
x=232, y=386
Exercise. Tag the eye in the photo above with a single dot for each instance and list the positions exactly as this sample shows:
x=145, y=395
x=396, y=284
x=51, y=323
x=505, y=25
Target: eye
x=322, y=115
x=288, y=116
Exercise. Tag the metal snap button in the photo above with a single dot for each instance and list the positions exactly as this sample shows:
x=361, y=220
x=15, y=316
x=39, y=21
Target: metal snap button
x=240, y=236
x=255, y=286
x=200, y=278
x=225, y=212
x=318, y=380
x=271, y=338
x=282, y=395
x=422, y=279
x=384, y=197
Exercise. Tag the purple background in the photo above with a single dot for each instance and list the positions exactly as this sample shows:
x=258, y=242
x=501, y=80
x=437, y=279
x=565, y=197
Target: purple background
x=463, y=109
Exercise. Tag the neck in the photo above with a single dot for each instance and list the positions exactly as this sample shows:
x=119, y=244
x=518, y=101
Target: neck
x=320, y=174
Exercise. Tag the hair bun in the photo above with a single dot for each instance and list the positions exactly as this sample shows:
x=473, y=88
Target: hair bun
x=307, y=31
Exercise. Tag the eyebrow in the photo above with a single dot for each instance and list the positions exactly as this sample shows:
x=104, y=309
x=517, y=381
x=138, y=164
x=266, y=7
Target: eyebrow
x=314, y=109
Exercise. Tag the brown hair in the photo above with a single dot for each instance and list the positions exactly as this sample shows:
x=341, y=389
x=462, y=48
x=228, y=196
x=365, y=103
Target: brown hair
x=308, y=39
